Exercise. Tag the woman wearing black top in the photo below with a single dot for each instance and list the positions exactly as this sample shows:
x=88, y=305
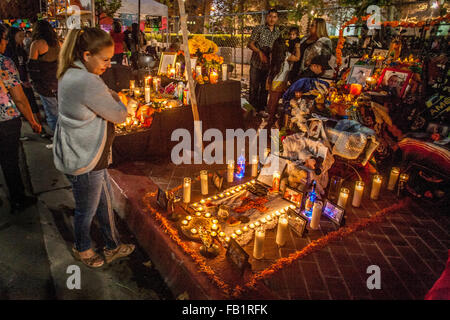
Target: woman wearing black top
x=16, y=51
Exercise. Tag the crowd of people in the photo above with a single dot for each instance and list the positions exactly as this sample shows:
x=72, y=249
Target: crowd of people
x=81, y=125
x=274, y=66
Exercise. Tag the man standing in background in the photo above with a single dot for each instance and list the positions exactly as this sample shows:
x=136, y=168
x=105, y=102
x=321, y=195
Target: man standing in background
x=261, y=42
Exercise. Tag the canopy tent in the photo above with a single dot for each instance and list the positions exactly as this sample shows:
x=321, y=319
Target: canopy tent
x=148, y=8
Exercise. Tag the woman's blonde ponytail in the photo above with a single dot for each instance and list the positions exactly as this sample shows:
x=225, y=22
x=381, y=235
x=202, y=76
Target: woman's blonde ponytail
x=67, y=55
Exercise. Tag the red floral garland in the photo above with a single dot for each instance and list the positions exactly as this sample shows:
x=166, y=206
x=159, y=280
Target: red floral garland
x=317, y=245
x=267, y=273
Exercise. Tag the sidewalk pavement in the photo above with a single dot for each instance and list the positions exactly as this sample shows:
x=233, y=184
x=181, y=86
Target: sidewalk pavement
x=35, y=244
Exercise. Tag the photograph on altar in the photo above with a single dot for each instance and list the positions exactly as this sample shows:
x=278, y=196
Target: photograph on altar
x=394, y=81
x=334, y=212
x=380, y=52
x=359, y=73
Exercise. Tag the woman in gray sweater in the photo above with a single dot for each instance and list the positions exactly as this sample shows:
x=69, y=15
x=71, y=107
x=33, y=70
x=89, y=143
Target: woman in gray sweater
x=83, y=138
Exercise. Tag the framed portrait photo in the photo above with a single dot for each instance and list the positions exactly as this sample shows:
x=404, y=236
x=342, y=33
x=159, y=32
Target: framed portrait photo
x=333, y=212
x=294, y=196
x=237, y=255
x=351, y=61
x=380, y=52
x=166, y=59
x=297, y=222
x=394, y=81
x=359, y=73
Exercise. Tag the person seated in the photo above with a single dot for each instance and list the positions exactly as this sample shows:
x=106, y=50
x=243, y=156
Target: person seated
x=319, y=64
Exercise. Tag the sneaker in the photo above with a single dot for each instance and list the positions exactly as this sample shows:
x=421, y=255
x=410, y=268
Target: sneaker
x=121, y=251
x=49, y=146
x=24, y=138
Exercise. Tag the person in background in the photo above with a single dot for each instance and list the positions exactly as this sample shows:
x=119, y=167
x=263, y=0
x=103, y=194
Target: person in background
x=317, y=43
x=294, y=42
x=318, y=65
x=261, y=42
x=13, y=102
x=136, y=42
x=27, y=41
x=119, y=42
x=83, y=139
x=16, y=51
x=280, y=64
x=42, y=66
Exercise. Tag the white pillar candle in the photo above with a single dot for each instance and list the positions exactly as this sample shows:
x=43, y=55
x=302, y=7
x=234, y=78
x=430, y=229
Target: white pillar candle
x=178, y=69
x=357, y=195
x=276, y=181
x=147, y=94
x=258, y=249
x=282, y=231
x=376, y=186
x=187, y=190
x=224, y=72
x=393, y=178
x=137, y=92
x=255, y=166
x=132, y=86
x=204, y=181
x=317, y=212
x=230, y=171
x=343, y=197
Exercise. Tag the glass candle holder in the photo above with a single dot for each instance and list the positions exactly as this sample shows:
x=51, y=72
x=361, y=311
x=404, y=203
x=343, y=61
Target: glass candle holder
x=376, y=186
x=230, y=170
x=395, y=172
x=282, y=230
x=357, y=195
x=276, y=181
x=335, y=187
x=187, y=190
x=343, y=197
x=204, y=181
x=258, y=248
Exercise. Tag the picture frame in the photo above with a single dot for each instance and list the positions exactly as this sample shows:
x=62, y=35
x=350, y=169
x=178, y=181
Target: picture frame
x=193, y=65
x=294, y=196
x=237, y=255
x=217, y=181
x=297, y=222
x=359, y=73
x=265, y=176
x=380, y=52
x=162, y=199
x=394, y=81
x=166, y=59
x=352, y=61
x=333, y=212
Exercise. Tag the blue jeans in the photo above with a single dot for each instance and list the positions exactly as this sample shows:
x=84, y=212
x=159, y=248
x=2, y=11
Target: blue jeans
x=50, y=105
x=93, y=197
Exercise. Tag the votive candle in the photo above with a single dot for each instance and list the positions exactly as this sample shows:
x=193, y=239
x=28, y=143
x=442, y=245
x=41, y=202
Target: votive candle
x=317, y=212
x=393, y=178
x=357, y=195
x=187, y=190
x=282, y=231
x=258, y=249
x=204, y=181
x=230, y=171
x=343, y=197
x=376, y=186
x=147, y=94
x=255, y=166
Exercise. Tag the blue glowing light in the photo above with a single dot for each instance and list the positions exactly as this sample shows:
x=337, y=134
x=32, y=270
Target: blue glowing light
x=240, y=167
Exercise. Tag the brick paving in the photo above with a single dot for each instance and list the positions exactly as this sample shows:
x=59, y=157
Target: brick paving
x=410, y=247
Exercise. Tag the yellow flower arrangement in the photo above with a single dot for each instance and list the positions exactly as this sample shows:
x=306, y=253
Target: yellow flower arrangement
x=202, y=45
